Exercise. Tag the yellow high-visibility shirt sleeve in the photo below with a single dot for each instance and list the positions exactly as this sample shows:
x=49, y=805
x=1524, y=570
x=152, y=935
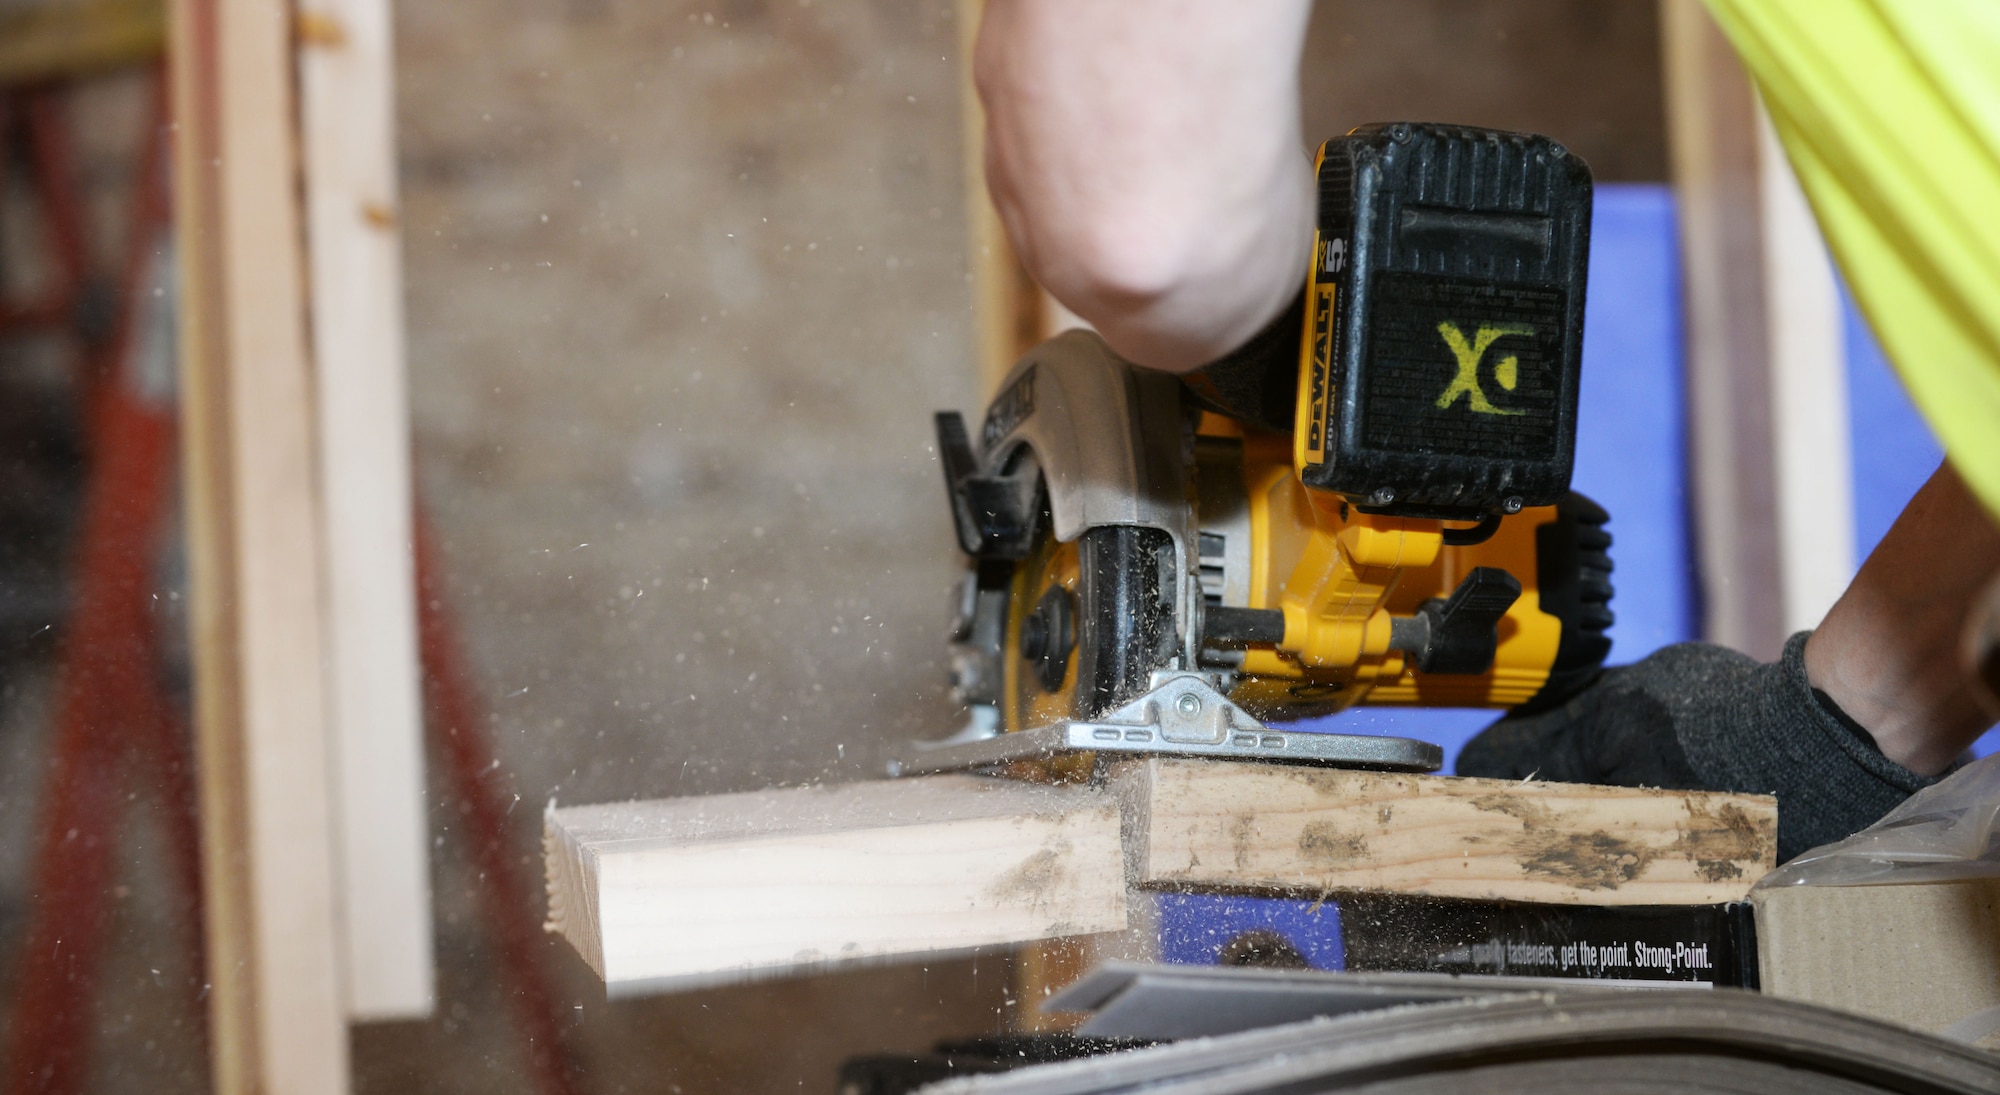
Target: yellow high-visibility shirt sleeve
x=1890, y=112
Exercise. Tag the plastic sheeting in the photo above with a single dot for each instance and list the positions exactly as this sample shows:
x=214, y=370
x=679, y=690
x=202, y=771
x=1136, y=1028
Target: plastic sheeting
x=1950, y=830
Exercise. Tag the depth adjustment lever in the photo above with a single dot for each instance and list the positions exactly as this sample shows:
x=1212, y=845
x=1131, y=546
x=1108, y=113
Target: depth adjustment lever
x=1462, y=633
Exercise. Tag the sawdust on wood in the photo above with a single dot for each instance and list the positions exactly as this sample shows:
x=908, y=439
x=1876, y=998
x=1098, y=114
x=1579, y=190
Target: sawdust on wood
x=1034, y=880
x=1587, y=861
x=1721, y=837
x=1323, y=843
x=1550, y=852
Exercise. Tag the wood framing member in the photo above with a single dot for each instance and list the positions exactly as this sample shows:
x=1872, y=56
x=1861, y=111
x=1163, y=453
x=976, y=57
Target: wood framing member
x=686, y=892
x=675, y=893
x=1711, y=128
x=1810, y=428
x=346, y=121
x=254, y=554
x=1767, y=413
x=1298, y=831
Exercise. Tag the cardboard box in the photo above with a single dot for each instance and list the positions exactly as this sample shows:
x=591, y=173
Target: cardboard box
x=1924, y=954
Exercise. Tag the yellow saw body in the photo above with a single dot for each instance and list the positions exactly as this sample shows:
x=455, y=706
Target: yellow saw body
x=1370, y=504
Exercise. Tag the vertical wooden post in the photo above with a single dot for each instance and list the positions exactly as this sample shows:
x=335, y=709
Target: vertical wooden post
x=1809, y=423
x=1772, y=500
x=254, y=551
x=346, y=120
x=1711, y=126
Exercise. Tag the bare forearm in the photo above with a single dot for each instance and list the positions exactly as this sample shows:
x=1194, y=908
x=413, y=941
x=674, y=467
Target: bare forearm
x=1888, y=652
x=1145, y=158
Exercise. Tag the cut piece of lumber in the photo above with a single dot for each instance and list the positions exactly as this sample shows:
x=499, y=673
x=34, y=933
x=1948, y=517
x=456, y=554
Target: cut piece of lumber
x=1292, y=830
x=686, y=892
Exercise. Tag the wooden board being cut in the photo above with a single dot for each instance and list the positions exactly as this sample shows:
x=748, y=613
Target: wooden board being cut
x=680, y=893
x=1291, y=830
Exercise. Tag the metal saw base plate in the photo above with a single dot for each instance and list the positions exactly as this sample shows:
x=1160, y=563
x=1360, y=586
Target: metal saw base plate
x=1182, y=715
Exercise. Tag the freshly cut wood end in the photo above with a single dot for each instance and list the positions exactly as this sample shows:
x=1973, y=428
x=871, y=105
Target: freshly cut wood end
x=571, y=883
x=681, y=893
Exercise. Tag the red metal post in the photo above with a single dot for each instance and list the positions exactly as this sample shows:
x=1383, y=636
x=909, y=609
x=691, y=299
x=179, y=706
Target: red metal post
x=41, y=111
x=109, y=696
x=111, y=710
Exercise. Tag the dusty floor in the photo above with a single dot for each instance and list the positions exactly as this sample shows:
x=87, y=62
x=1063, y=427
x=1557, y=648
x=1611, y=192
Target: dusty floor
x=686, y=281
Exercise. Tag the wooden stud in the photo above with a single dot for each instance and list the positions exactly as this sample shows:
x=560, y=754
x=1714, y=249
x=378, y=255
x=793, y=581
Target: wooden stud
x=347, y=119
x=1711, y=128
x=1810, y=429
x=254, y=554
x=1767, y=410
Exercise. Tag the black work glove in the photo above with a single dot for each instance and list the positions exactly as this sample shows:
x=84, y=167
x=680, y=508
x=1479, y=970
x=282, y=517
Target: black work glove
x=1698, y=717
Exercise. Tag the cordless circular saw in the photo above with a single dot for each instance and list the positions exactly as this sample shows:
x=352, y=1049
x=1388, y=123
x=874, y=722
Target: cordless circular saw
x=1369, y=503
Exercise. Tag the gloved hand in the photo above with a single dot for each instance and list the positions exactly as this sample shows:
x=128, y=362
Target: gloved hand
x=1699, y=717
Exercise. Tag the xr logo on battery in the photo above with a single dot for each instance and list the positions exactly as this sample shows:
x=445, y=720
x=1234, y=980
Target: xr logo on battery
x=1507, y=371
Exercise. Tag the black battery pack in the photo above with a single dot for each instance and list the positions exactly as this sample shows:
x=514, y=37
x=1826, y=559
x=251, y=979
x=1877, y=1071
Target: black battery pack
x=1445, y=320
